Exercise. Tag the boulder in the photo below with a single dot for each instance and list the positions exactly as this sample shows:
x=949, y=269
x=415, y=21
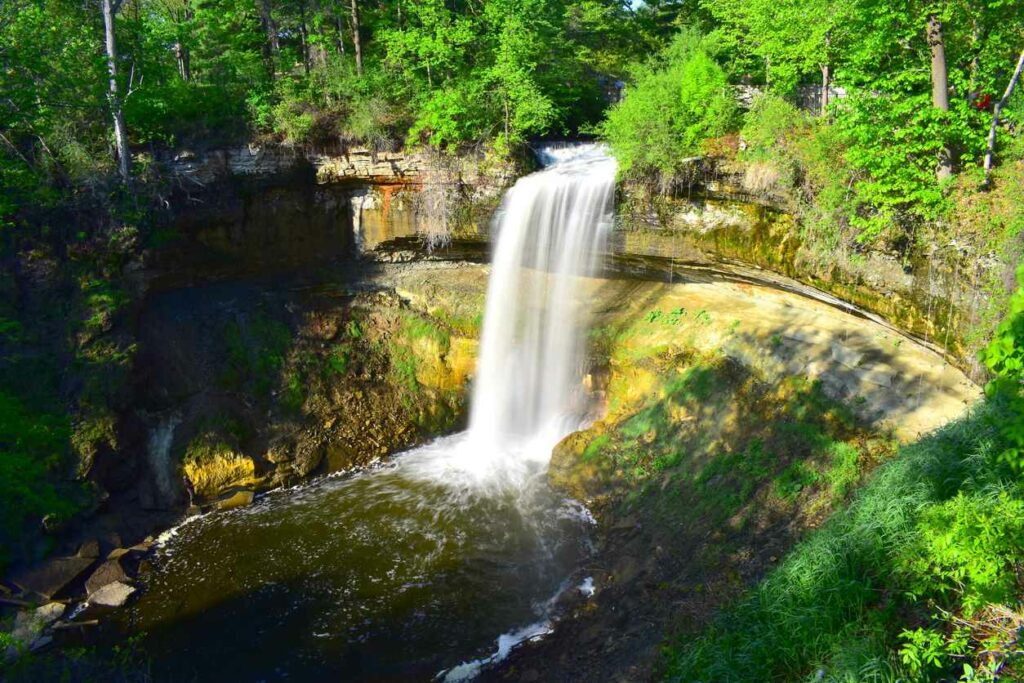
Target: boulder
x=90, y=549
x=52, y=576
x=29, y=625
x=309, y=453
x=278, y=454
x=109, y=572
x=112, y=595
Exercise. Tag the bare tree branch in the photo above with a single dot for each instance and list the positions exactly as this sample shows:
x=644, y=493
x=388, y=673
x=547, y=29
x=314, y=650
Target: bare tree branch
x=991, y=153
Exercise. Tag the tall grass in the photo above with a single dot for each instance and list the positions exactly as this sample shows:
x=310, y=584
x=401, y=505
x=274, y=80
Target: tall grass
x=834, y=609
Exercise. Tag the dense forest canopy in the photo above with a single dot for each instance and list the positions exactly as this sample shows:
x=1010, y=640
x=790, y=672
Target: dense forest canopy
x=906, y=90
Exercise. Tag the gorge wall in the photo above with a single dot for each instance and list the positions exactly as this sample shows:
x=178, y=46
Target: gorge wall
x=289, y=308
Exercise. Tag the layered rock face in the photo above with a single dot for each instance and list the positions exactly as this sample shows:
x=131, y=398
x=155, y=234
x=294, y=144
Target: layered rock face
x=356, y=164
x=938, y=295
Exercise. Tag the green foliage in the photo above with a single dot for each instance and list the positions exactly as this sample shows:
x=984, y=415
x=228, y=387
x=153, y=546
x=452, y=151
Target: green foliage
x=1004, y=358
x=936, y=526
x=969, y=546
x=33, y=445
x=340, y=359
x=678, y=100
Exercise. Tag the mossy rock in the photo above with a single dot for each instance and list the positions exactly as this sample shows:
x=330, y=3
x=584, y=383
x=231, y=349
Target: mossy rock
x=214, y=467
x=579, y=467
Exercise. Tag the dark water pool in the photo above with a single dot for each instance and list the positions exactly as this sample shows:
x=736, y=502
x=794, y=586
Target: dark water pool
x=395, y=574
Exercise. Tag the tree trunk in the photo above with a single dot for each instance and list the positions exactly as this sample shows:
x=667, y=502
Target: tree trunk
x=826, y=84
x=340, y=37
x=304, y=36
x=356, y=42
x=826, y=75
x=181, y=54
x=113, y=94
x=996, y=112
x=940, y=88
x=269, y=25
x=318, y=50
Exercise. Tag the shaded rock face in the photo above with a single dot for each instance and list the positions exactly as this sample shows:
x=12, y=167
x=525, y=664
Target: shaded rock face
x=52, y=576
x=247, y=385
x=108, y=572
x=252, y=229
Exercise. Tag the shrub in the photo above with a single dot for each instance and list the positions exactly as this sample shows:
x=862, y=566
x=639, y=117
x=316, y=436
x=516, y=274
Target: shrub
x=1004, y=357
x=32, y=449
x=676, y=102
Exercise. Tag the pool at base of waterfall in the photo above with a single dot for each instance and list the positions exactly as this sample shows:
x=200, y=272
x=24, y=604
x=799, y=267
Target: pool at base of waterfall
x=399, y=573
x=438, y=563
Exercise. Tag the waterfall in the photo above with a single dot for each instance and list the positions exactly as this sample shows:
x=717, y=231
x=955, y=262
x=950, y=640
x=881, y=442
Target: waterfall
x=528, y=391
x=550, y=230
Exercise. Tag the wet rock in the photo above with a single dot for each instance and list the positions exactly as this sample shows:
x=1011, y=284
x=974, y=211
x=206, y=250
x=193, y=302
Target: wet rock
x=278, y=454
x=112, y=595
x=117, y=553
x=236, y=500
x=52, y=576
x=29, y=626
x=107, y=573
x=308, y=456
x=40, y=642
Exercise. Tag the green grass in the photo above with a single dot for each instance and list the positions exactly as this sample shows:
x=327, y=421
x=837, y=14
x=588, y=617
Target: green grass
x=931, y=528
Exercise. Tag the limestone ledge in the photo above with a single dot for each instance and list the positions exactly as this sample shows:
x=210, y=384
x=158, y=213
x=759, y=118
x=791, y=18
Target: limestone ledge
x=353, y=164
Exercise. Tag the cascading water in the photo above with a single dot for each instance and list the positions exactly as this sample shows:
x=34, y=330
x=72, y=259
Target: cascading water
x=551, y=229
x=411, y=569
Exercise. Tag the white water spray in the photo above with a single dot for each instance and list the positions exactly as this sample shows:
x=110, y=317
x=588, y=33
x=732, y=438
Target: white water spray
x=528, y=393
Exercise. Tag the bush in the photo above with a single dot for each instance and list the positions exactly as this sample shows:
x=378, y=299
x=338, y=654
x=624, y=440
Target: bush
x=335, y=104
x=32, y=449
x=1004, y=357
x=676, y=102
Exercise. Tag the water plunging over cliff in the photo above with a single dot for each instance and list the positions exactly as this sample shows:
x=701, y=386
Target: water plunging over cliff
x=551, y=227
x=528, y=392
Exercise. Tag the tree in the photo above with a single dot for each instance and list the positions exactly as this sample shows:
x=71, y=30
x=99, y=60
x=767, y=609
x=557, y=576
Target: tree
x=996, y=113
x=940, y=87
x=357, y=41
x=672, y=105
x=791, y=38
x=110, y=9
